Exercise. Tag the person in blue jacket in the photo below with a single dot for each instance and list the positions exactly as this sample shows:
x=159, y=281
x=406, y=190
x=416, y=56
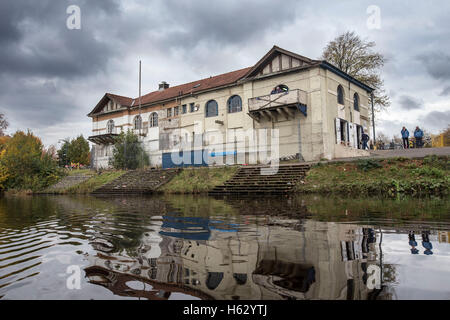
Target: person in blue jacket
x=365, y=138
x=413, y=243
x=426, y=243
x=405, y=138
x=418, y=134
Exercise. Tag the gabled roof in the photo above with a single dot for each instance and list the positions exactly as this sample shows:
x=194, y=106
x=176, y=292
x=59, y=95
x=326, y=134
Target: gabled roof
x=272, y=54
x=246, y=74
x=124, y=101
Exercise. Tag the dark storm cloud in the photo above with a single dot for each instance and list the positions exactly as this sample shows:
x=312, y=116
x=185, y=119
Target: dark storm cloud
x=42, y=61
x=437, y=65
x=223, y=22
x=51, y=76
x=410, y=103
x=436, y=119
x=36, y=42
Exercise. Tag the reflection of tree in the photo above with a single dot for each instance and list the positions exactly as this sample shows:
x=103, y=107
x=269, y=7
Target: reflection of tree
x=389, y=274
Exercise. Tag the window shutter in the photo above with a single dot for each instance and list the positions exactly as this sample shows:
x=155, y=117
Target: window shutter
x=338, y=130
x=348, y=132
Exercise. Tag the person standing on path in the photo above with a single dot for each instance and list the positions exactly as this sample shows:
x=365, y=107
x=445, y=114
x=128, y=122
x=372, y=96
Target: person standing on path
x=365, y=138
x=405, y=138
x=418, y=134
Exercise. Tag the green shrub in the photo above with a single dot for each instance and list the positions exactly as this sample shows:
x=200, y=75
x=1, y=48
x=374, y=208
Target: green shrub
x=368, y=164
x=128, y=152
x=429, y=172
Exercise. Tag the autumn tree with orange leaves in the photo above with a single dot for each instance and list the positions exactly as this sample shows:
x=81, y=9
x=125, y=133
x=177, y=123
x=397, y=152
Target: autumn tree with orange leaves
x=26, y=164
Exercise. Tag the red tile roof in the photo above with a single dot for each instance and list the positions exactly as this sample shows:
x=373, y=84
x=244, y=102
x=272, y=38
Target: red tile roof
x=124, y=101
x=173, y=92
x=194, y=86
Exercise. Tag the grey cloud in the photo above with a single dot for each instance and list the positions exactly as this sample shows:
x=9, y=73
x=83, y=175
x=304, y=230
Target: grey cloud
x=36, y=42
x=222, y=22
x=50, y=75
x=445, y=91
x=437, y=64
x=436, y=119
x=36, y=102
x=410, y=103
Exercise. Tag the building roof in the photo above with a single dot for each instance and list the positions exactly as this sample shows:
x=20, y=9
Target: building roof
x=124, y=101
x=274, y=52
x=219, y=81
x=194, y=86
x=176, y=91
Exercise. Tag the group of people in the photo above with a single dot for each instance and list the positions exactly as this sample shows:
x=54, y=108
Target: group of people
x=418, y=135
x=426, y=243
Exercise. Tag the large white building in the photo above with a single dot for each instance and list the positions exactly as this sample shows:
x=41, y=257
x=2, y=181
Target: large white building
x=286, y=104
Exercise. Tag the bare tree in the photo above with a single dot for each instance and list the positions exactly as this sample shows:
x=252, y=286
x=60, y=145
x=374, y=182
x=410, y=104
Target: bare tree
x=356, y=57
x=3, y=124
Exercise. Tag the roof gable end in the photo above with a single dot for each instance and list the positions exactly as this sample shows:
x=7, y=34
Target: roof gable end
x=277, y=60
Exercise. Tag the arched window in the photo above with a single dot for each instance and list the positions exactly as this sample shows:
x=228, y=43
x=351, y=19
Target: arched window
x=241, y=278
x=234, y=104
x=212, y=108
x=153, y=121
x=137, y=122
x=356, y=102
x=340, y=94
x=213, y=280
x=280, y=88
x=110, y=126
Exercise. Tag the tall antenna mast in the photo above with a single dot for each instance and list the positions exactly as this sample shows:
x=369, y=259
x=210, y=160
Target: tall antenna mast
x=140, y=118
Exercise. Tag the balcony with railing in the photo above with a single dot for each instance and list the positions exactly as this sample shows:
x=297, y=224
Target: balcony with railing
x=273, y=106
x=103, y=139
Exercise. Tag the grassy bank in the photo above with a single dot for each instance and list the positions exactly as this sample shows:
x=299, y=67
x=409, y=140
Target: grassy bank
x=387, y=177
x=198, y=180
x=94, y=181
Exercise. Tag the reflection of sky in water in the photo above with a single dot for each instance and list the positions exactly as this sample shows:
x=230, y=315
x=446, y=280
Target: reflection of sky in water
x=254, y=253
x=418, y=276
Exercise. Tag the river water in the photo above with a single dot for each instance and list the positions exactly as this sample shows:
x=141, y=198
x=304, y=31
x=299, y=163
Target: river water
x=198, y=247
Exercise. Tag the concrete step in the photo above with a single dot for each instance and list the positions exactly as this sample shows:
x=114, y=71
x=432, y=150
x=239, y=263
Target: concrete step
x=138, y=182
x=249, y=180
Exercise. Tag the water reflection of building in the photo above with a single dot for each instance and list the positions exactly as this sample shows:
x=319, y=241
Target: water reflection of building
x=213, y=260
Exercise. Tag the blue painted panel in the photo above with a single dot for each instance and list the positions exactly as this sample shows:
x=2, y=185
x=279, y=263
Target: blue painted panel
x=185, y=159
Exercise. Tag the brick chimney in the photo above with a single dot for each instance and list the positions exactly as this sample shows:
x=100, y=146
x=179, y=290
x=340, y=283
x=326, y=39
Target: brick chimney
x=163, y=85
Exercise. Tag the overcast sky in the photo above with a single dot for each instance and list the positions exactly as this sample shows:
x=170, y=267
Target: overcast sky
x=51, y=76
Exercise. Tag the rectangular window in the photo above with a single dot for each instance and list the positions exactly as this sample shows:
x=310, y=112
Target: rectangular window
x=169, y=112
x=191, y=107
x=183, y=109
x=176, y=111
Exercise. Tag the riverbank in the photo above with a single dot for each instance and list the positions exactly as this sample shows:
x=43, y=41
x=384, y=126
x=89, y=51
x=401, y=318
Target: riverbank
x=365, y=177
x=198, y=180
x=384, y=177
x=88, y=181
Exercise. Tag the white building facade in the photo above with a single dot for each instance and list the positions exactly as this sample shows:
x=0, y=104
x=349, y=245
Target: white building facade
x=284, y=107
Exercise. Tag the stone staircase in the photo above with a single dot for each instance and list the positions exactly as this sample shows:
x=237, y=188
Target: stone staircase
x=249, y=180
x=141, y=181
x=65, y=183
